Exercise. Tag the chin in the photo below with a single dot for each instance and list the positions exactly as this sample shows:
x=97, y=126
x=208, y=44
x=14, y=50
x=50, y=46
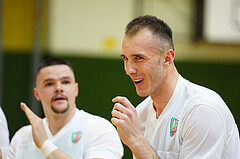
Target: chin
x=142, y=93
x=60, y=110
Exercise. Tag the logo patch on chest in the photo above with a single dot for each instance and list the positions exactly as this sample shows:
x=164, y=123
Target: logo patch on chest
x=76, y=136
x=173, y=126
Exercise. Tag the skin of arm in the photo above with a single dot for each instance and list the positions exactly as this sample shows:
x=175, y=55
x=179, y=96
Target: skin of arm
x=39, y=134
x=125, y=118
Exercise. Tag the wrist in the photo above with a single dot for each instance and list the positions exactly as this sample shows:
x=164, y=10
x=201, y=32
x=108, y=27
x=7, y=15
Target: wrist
x=47, y=148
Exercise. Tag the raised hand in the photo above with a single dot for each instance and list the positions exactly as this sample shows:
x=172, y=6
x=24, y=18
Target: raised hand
x=38, y=131
x=125, y=118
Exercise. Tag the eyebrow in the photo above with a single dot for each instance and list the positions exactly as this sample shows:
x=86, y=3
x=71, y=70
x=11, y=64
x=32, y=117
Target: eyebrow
x=123, y=55
x=51, y=79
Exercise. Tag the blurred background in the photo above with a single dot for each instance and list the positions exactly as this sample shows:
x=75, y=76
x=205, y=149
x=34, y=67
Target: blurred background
x=88, y=33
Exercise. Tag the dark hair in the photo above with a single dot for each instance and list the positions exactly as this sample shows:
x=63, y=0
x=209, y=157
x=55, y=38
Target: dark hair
x=52, y=61
x=157, y=26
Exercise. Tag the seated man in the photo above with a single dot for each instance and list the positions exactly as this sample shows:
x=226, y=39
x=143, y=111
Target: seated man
x=4, y=135
x=66, y=132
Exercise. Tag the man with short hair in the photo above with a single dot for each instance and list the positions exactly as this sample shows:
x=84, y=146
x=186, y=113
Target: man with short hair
x=178, y=119
x=65, y=132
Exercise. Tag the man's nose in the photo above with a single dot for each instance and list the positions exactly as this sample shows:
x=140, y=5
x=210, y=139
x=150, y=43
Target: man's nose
x=59, y=87
x=130, y=68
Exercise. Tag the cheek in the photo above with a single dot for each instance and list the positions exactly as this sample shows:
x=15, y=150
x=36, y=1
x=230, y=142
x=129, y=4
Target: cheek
x=157, y=74
x=45, y=96
x=43, y=99
x=72, y=92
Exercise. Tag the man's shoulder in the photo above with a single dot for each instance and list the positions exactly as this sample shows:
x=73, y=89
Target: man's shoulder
x=24, y=133
x=144, y=104
x=201, y=97
x=200, y=94
x=25, y=129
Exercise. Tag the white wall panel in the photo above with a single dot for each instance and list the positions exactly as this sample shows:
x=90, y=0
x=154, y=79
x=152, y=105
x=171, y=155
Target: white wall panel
x=222, y=21
x=91, y=26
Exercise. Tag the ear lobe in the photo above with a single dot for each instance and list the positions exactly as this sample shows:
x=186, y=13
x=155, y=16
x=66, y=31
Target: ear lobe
x=169, y=57
x=35, y=91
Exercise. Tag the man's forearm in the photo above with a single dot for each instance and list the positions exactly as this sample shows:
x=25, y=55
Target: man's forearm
x=142, y=150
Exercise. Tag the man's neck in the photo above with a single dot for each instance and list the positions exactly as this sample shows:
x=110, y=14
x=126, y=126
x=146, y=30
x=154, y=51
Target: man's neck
x=162, y=97
x=57, y=122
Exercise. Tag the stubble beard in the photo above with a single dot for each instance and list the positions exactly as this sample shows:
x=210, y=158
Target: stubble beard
x=60, y=111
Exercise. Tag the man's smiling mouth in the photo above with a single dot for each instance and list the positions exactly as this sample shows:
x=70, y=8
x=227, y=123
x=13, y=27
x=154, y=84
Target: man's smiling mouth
x=137, y=81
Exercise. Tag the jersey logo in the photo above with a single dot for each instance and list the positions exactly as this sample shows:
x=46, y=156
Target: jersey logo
x=173, y=126
x=76, y=136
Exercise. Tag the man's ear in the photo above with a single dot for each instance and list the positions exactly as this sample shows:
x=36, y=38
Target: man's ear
x=76, y=89
x=169, y=56
x=35, y=91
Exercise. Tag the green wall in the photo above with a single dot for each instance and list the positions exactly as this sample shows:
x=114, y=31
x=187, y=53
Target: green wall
x=102, y=79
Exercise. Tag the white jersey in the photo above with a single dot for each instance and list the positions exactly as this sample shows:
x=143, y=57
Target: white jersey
x=4, y=134
x=83, y=137
x=196, y=123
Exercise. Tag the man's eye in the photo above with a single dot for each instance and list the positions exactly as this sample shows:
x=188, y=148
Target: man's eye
x=138, y=58
x=124, y=57
x=48, y=84
x=65, y=82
